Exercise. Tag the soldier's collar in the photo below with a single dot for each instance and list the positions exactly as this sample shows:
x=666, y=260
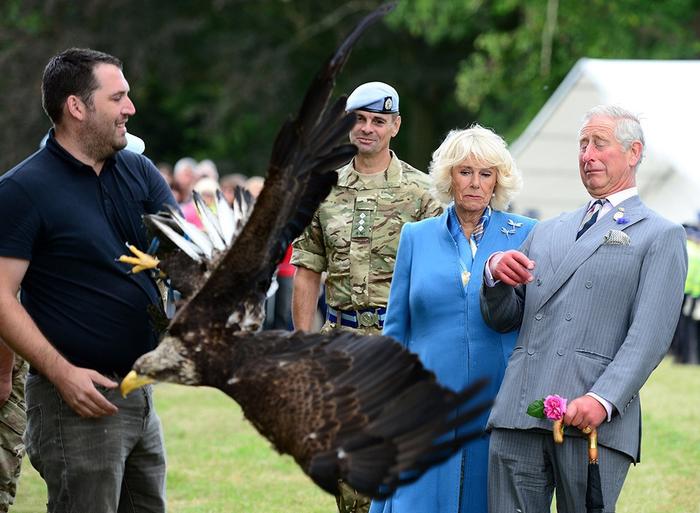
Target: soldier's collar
x=393, y=173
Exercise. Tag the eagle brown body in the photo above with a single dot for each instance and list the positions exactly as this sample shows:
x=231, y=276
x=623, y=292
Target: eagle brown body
x=360, y=408
x=345, y=406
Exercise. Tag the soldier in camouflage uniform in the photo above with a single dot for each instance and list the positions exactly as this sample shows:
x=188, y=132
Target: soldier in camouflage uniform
x=354, y=235
x=13, y=419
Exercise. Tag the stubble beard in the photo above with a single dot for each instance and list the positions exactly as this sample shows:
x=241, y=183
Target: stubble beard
x=100, y=141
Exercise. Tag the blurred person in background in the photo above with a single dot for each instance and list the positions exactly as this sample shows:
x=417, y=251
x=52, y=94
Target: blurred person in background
x=166, y=171
x=13, y=419
x=278, y=308
x=207, y=168
x=184, y=178
x=228, y=185
x=255, y=184
x=686, y=341
x=207, y=187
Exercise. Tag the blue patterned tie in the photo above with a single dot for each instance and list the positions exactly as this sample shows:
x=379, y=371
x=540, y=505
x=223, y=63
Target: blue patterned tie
x=591, y=217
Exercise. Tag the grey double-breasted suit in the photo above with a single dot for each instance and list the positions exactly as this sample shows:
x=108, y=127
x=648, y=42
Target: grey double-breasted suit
x=598, y=317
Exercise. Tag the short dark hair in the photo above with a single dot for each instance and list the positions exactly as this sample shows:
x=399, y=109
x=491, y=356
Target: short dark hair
x=71, y=72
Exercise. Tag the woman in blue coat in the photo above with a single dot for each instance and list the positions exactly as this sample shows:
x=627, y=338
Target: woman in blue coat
x=433, y=305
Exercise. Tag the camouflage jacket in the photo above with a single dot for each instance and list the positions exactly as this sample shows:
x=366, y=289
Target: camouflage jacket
x=13, y=420
x=354, y=234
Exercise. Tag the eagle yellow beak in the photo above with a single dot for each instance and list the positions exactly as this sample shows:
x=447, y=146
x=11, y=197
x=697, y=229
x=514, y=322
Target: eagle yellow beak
x=132, y=381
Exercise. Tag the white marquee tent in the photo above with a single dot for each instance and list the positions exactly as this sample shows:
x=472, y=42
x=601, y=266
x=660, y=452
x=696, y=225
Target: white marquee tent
x=666, y=97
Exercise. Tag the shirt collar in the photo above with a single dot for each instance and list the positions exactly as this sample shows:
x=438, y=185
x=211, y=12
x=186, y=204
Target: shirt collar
x=479, y=229
x=483, y=223
x=618, y=197
x=53, y=146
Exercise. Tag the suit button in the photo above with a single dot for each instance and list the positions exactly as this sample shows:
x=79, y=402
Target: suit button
x=568, y=317
x=530, y=352
x=538, y=317
x=589, y=284
x=560, y=352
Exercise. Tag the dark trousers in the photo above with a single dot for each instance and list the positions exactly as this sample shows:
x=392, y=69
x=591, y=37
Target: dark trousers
x=526, y=467
x=113, y=464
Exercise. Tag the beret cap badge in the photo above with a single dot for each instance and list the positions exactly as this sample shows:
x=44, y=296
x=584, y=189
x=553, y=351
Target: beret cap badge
x=388, y=103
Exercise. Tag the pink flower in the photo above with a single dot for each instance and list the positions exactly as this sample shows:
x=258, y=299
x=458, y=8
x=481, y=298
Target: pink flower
x=554, y=407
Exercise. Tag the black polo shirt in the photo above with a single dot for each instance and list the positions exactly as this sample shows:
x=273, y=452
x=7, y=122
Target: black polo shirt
x=71, y=224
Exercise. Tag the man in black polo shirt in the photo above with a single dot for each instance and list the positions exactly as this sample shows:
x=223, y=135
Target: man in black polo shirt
x=65, y=213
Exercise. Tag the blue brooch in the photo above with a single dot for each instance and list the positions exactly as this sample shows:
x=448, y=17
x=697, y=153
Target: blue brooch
x=510, y=229
x=619, y=216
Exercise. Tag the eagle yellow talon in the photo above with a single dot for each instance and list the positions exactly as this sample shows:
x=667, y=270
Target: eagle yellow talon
x=141, y=262
x=129, y=260
x=136, y=251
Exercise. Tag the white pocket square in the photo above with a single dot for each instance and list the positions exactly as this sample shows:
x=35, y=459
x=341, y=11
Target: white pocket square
x=617, y=237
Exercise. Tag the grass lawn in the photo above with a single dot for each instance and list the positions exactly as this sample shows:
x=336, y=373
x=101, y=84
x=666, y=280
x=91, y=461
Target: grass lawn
x=217, y=463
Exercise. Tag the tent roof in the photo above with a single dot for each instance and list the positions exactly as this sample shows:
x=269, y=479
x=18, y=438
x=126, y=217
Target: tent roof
x=664, y=94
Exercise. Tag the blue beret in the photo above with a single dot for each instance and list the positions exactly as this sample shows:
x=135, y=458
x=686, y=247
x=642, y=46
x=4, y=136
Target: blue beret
x=374, y=97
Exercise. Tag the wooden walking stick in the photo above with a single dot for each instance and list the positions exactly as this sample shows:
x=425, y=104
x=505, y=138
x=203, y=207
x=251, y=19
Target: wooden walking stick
x=553, y=407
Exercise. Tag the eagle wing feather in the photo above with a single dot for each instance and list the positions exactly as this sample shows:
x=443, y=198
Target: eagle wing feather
x=346, y=406
x=343, y=405
x=305, y=155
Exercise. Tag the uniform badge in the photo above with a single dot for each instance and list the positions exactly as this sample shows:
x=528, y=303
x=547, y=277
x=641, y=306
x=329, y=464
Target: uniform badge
x=388, y=103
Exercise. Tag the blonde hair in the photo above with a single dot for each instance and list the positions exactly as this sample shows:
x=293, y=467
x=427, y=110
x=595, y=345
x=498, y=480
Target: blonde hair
x=485, y=147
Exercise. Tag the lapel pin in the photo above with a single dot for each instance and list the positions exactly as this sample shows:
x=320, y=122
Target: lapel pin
x=619, y=216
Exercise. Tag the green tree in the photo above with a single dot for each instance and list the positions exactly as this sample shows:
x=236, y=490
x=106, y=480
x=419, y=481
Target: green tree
x=215, y=79
x=209, y=79
x=515, y=53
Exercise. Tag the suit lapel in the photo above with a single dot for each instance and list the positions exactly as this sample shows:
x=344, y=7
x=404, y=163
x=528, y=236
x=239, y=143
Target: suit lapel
x=578, y=251
x=564, y=237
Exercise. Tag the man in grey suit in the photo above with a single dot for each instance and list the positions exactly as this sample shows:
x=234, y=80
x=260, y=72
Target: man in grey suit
x=596, y=294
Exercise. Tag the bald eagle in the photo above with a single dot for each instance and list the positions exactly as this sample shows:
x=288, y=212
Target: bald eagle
x=344, y=406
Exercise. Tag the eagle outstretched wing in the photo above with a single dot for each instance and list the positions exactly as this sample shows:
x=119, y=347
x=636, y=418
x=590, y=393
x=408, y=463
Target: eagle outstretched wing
x=345, y=406
x=307, y=151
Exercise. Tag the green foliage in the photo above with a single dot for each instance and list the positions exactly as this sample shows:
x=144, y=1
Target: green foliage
x=536, y=409
x=27, y=21
x=507, y=70
x=209, y=79
x=215, y=79
x=436, y=20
